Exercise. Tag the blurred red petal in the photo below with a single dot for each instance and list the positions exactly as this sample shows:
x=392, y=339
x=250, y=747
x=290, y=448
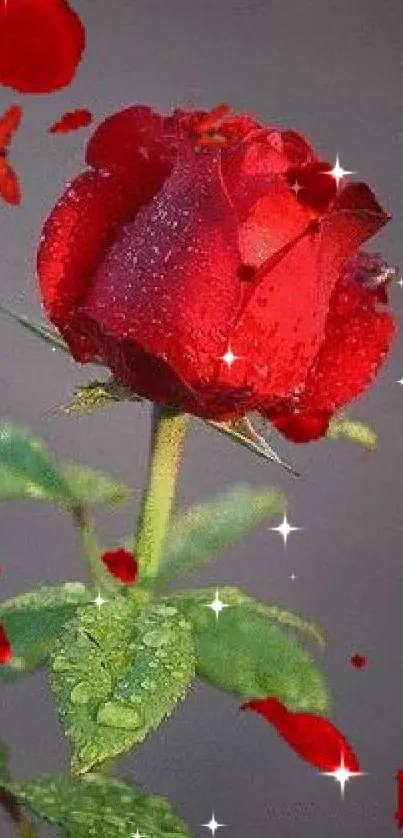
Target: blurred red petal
x=358, y=660
x=312, y=737
x=5, y=648
x=9, y=184
x=121, y=564
x=41, y=42
x=71, y=120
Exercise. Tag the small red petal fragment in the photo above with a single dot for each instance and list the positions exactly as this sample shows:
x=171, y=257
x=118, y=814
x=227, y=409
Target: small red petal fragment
x=41, y=42
x=399, y=810
x=358, y=660
x=303, y=427
x=312, y=737
x=5, y=648
x=71, y=120
x=121, y=564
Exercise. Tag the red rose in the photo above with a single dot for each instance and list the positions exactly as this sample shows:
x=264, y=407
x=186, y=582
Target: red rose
x=213, y=264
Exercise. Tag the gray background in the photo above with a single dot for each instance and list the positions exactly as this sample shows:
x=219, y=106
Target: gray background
x=333, y=70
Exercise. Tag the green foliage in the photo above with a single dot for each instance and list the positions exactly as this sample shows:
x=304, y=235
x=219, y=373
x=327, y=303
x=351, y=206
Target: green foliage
x=92, y=486
x=344, y=427
x=27, y=470
x=99, y=807
x=33, y=621
x=246, y=653
x=97, y=394
x=114, y=680
x=203, y=530
x=4, y=757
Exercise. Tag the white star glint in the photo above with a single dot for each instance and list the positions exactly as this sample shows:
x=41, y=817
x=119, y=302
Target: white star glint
x=296, y=187
x=229, y=357
x=137, y=835
x=400, y=381
x=285, y=528
x=213, y=825
x=400, y=282
x=338, y=172
x=99, y=601
x=342, y=775
x=293, y=577
x=217, y=606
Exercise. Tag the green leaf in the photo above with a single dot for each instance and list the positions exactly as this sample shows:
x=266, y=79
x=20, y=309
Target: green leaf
x=97, y=394
x=246, y=653
x=114, y=680
x=344, y=427
x=203, y=530
x=40, y=330
x=92, y=486
x=99, y=807
x=32, y=622
x=27, y=470
x=242, y=432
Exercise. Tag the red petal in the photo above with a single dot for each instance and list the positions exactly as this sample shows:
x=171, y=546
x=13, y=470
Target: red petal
x=41, y=42
x=84, y=222
x=303, y=426
x=121, y=564
x=282, y=324
x=312, y=737
x=5, y=648
x=357, y=340
x=317, y=187
x=71, y=120
x=9, y=123
x=9, y=185
x=169, y=282
x=358, y=660
x=136, y=142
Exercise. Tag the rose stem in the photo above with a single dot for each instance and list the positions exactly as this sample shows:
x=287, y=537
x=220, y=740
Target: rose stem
x=93, y=550
x=167, y=438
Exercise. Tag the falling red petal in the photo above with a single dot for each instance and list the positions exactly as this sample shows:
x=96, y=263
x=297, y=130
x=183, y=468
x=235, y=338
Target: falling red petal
x=399, y=810
x=41, y=43
x=9, y=123
x=313, y=738
x=5, y=648
x=9, y=184
x=71, y=120
x=358, y=660
x=121, y=564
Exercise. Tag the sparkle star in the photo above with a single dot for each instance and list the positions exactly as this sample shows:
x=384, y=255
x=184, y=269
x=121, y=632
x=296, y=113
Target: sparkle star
x=217, y=606
x=229, y=357
x=99, y=601
x=400, y=282
x=213, y=825
x=137, y=835
x=296, y=187
x=400, y=381
x=285, y=528
x=338, y=172
x=293, y=577
x=342, y=775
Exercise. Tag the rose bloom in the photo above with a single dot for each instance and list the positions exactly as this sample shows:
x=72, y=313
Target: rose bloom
x=214, y=264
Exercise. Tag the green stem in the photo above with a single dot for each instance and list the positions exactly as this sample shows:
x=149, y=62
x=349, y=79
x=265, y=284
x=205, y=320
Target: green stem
x=168, y=434
x=93, y=550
